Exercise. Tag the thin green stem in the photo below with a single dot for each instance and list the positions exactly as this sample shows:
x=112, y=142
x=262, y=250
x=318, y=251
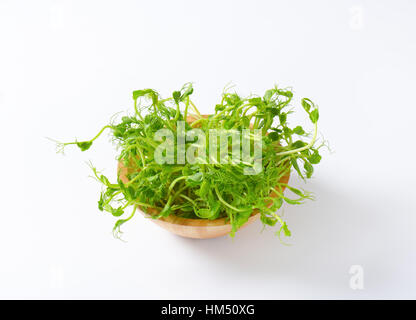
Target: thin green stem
x=174, y=182
x=309, y=145
x=226, y=203
x=195, y=108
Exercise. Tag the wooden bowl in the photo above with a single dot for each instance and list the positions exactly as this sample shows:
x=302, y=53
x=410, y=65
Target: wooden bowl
x=195, y=228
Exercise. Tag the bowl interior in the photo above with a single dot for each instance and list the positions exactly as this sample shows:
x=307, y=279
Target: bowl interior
x=122, y=171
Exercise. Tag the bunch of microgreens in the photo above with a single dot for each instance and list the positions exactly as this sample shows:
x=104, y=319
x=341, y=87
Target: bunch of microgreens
x=206, y=190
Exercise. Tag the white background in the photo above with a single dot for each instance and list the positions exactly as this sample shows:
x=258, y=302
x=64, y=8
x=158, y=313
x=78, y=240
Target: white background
x=67, y=66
